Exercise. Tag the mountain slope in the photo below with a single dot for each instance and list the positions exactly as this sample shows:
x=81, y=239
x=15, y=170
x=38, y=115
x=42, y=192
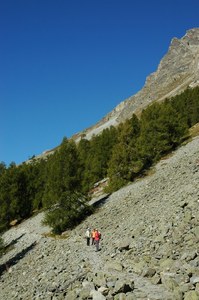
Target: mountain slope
x=149, y=247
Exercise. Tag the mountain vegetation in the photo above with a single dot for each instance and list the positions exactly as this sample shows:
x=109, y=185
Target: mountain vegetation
x=1, y=246
x=61, y=182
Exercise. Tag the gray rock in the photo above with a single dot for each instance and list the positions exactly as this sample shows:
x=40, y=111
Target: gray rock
x=123, y=286
x=191, y=295
x=96, y=295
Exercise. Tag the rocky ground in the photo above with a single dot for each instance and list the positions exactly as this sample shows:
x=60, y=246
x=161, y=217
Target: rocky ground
x=149, y=246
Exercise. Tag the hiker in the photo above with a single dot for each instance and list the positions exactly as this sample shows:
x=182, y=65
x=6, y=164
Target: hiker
x=88, y=236
x=93, y=236
x=97, y=239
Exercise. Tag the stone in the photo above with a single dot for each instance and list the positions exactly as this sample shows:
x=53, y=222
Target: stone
x=123, y=286
x=168, y=281
x=191, y=295
x=114, y=266
x=149, y=272
x=96, y=295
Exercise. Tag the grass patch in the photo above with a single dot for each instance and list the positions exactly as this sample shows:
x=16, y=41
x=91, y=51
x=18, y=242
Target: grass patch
x=194, y=130
x=62, y=236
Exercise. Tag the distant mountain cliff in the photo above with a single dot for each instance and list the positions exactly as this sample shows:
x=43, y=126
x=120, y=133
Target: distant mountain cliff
x=177, y=70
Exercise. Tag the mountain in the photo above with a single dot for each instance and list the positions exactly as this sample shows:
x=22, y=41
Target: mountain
x=177, y=70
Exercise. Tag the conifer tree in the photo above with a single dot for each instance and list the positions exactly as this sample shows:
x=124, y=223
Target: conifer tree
x=124, y=163
x=84, y=149
x=71, y=208
x=162, y=129
x=96, y=154
x=61, y=172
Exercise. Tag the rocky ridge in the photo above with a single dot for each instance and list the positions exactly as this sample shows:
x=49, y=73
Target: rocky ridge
x=149, y=247
x=178, y=70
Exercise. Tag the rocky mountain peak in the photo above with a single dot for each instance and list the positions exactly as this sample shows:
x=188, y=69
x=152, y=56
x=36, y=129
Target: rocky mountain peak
x=177, y=70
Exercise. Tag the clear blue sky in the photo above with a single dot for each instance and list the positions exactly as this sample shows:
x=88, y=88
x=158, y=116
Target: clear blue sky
x=65, y=64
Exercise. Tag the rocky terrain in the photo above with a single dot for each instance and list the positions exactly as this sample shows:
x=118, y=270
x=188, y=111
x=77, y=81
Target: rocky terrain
x=149, y=247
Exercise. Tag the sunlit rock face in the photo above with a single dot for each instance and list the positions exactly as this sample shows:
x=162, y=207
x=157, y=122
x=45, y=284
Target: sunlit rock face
x=177, y=70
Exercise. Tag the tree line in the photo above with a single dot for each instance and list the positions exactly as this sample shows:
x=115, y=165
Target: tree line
x=61, y=181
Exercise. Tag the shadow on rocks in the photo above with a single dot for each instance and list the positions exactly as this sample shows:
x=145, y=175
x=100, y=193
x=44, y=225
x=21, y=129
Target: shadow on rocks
x=14, y=260
x=13, y=242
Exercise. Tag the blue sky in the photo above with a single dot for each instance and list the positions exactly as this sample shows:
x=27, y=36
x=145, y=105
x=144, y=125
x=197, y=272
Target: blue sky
x=65, y=64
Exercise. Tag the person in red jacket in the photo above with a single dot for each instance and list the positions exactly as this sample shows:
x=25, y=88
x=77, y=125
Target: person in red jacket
x=97, y=239
x=93, y=236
